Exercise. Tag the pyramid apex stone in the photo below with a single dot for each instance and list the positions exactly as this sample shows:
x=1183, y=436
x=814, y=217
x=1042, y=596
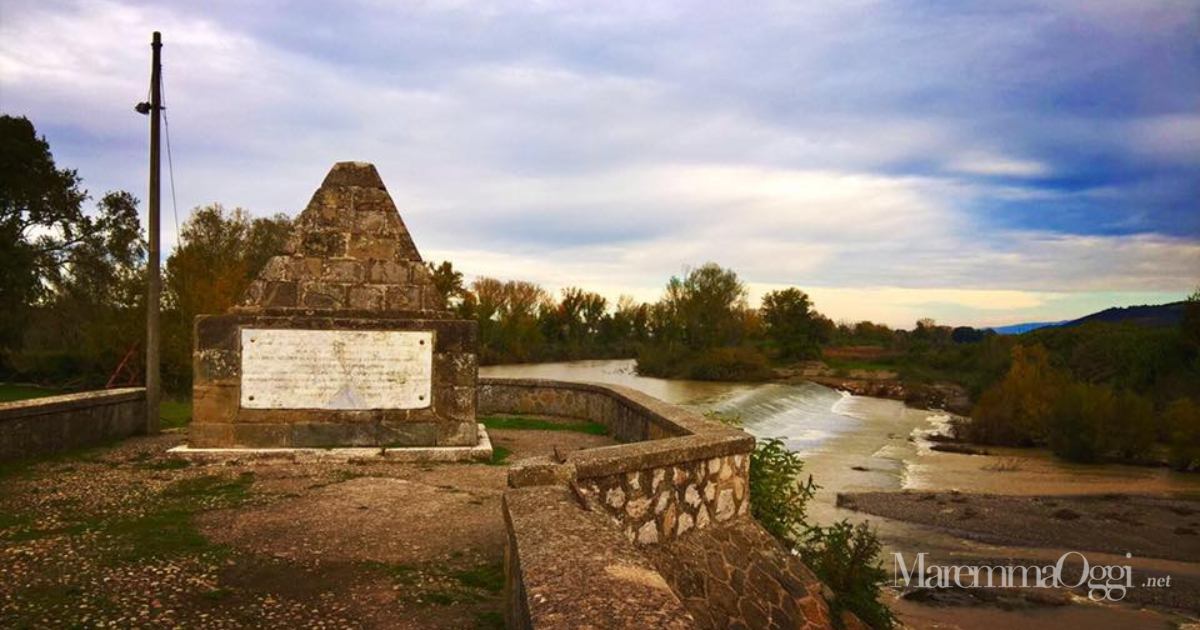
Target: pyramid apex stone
x=349, y=251
x=360, y=174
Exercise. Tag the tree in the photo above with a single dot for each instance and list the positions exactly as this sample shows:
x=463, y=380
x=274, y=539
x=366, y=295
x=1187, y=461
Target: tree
x=1015, y=410
x=1190, y=325
x=94, y=306
x=791, y=323
x=1076, y=426
x=219, y=254
x=1183, y=425
x=42, y=223
x=707, y=305
x=448, y=282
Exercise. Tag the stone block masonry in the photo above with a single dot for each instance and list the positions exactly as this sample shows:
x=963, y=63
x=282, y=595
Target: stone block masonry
x=662, y=503
x=356, y=347
x=677, y=472
x=59, y=423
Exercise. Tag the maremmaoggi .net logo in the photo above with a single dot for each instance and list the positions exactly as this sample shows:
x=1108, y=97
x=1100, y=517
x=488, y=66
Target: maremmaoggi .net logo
x=1103, y=582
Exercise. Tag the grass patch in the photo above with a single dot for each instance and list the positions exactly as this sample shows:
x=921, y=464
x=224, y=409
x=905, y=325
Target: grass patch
x=490, y=620
x=400, y=573
x=439, y=585
x=499, y=454
x=489, y=577
x=24, y=467
x=10, y=392
x=535, y=424
x=175, y=413
x=169, y=527
x=212, y=486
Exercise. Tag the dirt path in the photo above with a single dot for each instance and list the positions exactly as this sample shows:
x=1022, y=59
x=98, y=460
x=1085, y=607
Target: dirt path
x=130, y=536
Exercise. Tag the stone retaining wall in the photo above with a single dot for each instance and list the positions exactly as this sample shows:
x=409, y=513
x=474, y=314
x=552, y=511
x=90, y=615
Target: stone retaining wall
x=653, y=533
x=60, y=423
x=677, y=471
x=565, y=567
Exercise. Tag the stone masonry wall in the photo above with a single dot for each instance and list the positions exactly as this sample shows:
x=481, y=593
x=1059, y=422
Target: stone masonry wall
x=588, y=528
x=660, y=504
x=677, y=472
x=349, y=250
x=625, y=418
x=59, y=423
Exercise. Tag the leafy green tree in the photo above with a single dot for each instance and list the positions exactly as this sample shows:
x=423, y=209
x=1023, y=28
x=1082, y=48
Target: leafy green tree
x=1131, y=433
x=1190, y=325
x=791, y=324
x=778, y=499
x=1183, y=424
x=448, y=281
x=708, y=303
x=93, y=309
x=42, y=224
x=1076, y=426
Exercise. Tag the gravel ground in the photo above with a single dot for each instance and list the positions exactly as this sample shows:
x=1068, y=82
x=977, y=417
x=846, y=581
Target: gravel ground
x=126, y=535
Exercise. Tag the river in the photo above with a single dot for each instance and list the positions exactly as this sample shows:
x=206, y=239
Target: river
x=855, y=443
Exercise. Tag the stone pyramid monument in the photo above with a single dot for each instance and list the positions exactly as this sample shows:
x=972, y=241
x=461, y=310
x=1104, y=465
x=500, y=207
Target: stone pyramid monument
x=342, y=340
x=349, y=250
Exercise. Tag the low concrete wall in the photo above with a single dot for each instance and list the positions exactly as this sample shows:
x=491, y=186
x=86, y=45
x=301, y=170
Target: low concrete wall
x=59, y=423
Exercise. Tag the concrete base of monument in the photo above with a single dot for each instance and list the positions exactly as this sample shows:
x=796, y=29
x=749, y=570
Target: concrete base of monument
x=481, y=452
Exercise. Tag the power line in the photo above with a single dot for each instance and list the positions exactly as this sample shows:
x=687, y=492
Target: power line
x=170, y=161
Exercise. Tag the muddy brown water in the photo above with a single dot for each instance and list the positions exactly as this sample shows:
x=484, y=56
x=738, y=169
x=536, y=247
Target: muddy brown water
x=858, y=444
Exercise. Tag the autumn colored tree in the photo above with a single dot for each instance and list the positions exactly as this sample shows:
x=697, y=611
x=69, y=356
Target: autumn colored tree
x=219, y=253
x=1015, y=410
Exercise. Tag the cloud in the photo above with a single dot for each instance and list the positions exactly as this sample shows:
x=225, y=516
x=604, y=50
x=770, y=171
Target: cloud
x=973, y=161
x=986, y=164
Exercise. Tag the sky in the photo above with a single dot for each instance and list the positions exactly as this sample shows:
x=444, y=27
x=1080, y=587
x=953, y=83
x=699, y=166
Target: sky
x=978, y=163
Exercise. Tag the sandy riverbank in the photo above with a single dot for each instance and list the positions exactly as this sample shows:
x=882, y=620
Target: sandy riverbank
x=1158, y=536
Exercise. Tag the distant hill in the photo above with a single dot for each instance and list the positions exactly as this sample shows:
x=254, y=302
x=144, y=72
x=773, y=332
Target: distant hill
x=1017, y=329
x=1145, y=315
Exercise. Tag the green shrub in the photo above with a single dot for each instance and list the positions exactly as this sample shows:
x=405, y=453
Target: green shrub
x=1075, y=429
x=778, y=499
x=733, y=363
x=842, y=555
x=1183, y=423
x=730, y=364
x=845, y=556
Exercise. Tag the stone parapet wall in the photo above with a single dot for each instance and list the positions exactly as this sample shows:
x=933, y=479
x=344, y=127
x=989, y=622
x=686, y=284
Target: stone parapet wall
x=662, y=503
x=60, y=423
x=653, y=533
x=678, y=470
x=566, y=567
x=630, y=415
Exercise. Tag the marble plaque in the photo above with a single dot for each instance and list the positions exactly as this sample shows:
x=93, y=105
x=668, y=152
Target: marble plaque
x=336, y=369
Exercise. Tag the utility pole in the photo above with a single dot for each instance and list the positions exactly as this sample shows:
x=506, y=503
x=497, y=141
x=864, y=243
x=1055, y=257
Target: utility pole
x=153, y=280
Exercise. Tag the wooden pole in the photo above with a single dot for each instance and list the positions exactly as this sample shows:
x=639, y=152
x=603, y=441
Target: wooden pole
x=153, y=279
